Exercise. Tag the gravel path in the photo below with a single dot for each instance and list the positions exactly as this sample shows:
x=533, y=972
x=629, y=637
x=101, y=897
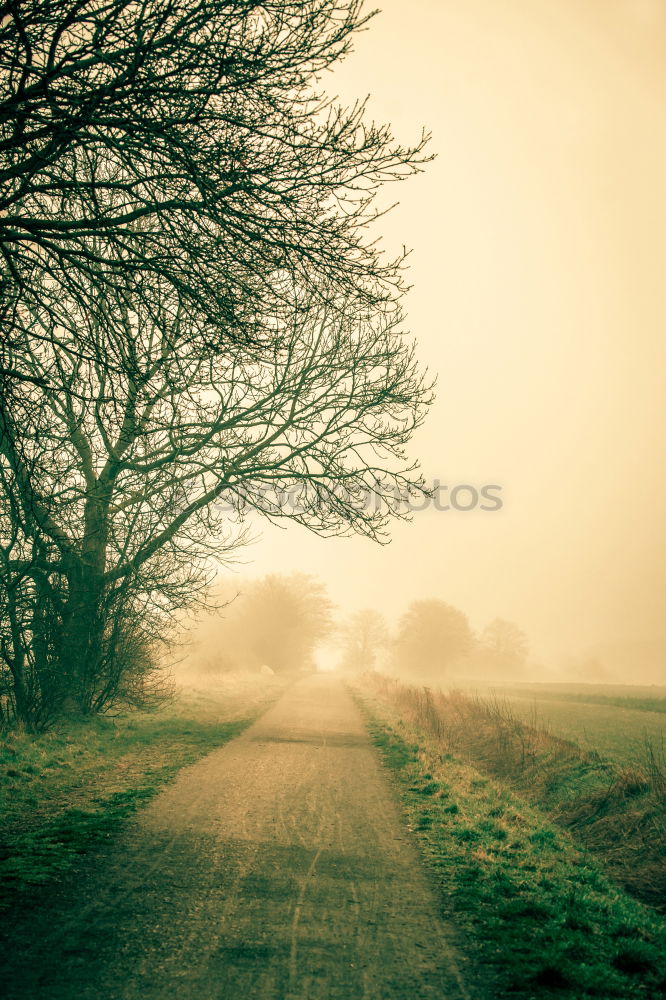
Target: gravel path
x=277, y=868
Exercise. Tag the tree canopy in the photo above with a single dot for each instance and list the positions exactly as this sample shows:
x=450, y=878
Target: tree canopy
x=184, y=144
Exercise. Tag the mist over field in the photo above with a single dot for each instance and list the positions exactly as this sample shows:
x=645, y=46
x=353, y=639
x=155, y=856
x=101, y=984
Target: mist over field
x=289, y=622
x=537, y=298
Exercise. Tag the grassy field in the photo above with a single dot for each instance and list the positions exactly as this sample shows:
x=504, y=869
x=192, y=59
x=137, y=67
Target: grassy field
x=614, y=721
x=641, y=697
x=543, y=920
x=66, y=791
x=613, y=807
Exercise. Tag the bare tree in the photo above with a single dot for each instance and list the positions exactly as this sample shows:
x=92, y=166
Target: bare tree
x=503, y=648
x=431, y=635
x=184, y=143
x=125, y=485
x=193, y=312
x=276, y=622
x=363, y=638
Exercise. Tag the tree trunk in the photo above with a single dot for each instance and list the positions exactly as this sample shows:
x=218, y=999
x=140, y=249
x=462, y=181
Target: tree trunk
x=82, y=641
x=16, y=663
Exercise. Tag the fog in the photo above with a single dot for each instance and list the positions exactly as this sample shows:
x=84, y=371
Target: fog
x=538, y=239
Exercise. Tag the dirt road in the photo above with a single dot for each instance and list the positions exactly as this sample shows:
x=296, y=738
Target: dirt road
x=277, y=868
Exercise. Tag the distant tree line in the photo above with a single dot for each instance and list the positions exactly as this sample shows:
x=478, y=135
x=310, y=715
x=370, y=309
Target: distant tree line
x=280, y=622
x=433, y=641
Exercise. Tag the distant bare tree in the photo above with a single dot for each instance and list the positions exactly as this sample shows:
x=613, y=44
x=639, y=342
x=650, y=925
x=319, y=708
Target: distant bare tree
x=431, y=635
x=186, y=144
x=363, y=637
x=504, y=648
x=276, y=621
x=124, y=485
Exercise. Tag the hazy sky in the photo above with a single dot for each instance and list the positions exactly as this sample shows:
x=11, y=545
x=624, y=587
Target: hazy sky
x=539, y=248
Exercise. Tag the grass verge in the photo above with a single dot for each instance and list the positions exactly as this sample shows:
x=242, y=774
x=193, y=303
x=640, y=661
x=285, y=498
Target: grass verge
x=543, y=920
x=66, y=792
x=616, y=811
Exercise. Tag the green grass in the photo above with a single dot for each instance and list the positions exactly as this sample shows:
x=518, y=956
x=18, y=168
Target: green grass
x=543, y=921
x=641, y=698
x=616, y=728
x=66, y=792
x=617, y=811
